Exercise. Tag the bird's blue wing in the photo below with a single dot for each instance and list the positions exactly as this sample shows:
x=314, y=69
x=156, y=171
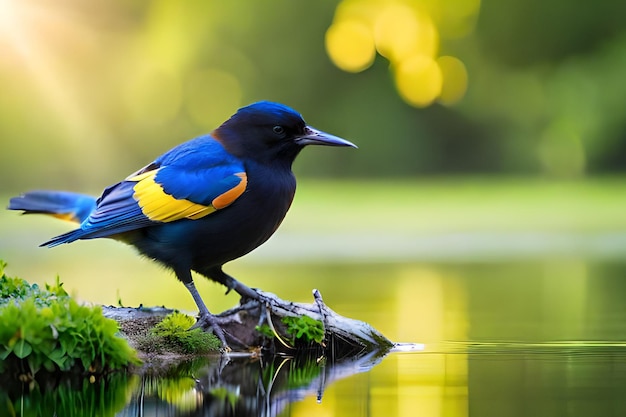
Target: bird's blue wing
x=191, y=181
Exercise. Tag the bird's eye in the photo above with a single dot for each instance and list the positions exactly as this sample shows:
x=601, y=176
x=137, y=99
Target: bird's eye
x=279, y=130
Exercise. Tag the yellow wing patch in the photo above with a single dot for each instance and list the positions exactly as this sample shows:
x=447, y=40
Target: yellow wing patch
x=157, y=205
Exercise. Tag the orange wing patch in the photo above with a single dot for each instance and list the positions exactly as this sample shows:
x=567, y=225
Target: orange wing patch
x=226, y=199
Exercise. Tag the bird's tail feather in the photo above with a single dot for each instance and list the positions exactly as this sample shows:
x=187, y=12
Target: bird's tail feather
x=68, y=237
x=64, y=205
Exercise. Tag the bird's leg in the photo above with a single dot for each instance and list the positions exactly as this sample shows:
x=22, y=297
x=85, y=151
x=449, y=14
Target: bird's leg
x=206, y=318
x=231, y=283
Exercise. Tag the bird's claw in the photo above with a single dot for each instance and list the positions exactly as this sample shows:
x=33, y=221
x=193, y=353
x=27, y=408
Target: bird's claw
x=208, y=322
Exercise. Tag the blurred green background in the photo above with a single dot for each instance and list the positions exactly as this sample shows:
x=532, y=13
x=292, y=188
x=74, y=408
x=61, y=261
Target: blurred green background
x=488, y=129
x=93, y=90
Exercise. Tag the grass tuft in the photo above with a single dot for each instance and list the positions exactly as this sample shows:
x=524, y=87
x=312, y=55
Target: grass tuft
x=45, y=329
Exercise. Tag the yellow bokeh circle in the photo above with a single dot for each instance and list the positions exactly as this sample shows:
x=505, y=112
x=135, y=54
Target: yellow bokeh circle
x=419, y=80
x=350, y=45
x=401, y=31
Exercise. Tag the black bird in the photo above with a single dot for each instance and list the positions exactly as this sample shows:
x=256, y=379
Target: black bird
x=203, y=203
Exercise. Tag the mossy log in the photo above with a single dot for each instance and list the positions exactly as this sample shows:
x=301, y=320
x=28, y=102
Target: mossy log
x=243, y=325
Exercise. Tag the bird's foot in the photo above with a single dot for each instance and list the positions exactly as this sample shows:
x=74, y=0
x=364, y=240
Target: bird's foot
x=246, y=292
x=207, y=322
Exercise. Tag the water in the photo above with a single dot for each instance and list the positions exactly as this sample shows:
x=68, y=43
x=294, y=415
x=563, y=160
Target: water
x=534, y=337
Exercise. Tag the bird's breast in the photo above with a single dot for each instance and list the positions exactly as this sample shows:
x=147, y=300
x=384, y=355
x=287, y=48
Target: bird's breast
x=267, y=199
x=251, y=220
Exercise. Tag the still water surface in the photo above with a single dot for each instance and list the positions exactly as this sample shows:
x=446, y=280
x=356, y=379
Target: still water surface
x=536, y=337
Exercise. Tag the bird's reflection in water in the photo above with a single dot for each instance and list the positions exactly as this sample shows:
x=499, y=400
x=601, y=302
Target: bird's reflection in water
x=239, y=385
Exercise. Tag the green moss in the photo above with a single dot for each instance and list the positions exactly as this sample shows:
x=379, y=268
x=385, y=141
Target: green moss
x=46, y=329
x=172, y=334
x=265, y=330
x=304, y=328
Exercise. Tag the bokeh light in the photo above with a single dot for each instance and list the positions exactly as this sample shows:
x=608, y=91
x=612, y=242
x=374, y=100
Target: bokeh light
x=419, y=80
x=407, y=33
x=454, y=75
x=350, y=45
x=402, y=31
x=458, y=17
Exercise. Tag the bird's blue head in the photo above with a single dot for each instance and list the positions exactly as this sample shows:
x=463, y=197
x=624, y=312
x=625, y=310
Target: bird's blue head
x=267, y=131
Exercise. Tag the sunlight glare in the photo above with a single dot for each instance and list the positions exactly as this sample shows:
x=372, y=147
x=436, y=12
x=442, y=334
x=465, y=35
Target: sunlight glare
x=34, y=38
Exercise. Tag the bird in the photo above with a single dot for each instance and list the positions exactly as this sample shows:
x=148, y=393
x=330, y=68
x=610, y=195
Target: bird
x=201, y=204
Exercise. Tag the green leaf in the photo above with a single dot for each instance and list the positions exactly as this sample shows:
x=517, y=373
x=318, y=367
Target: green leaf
x=22, y=349
x=305, y=328
x=58, y=356
x=265, y=330
x=4, y=352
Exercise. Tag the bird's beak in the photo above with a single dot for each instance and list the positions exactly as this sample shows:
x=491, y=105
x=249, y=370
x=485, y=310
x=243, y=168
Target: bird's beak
x=316, y=137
